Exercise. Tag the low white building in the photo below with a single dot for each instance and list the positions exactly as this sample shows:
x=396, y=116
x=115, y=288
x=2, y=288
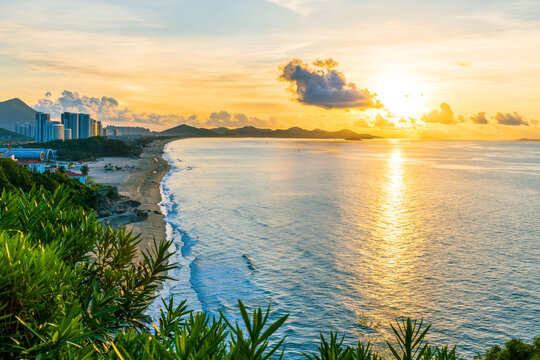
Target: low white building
x=33, y=165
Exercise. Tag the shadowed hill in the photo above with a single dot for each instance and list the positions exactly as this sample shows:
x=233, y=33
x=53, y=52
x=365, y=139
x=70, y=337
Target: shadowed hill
x=189, y=131
x=14, y=111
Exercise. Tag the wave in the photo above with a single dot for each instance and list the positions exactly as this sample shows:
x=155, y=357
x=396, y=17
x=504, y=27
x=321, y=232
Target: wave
x=180, y=287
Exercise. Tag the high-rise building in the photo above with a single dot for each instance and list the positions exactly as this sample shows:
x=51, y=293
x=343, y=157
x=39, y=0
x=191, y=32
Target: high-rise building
x=93, y=128
x=71, y=121
x=99, y=129
x=42, y=122
x=56, y=131
x=67, y=134
x=84, y=126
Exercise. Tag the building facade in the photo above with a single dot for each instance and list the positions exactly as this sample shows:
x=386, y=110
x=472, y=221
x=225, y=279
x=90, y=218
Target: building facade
x=42, y=126
x=57, y=131
x=84, y=126
x=71, y=121
x=33, y=165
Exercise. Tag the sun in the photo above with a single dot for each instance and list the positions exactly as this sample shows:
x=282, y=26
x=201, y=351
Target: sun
x=401, y=94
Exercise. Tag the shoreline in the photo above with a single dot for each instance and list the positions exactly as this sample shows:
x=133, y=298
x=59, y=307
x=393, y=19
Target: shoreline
x=142, y=184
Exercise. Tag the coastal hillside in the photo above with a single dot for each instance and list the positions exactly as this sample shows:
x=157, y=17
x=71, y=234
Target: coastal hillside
x=251, y=131
x=15, y=111
x=188, y=131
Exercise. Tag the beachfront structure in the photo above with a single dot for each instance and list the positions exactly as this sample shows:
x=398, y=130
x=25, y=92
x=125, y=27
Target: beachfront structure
x=42, y=122
x=71, y=122
x=34, y=166
x=26, y=154
x=30, y=154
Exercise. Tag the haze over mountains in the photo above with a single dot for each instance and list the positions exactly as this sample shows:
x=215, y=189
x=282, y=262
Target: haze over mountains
x=16, y=111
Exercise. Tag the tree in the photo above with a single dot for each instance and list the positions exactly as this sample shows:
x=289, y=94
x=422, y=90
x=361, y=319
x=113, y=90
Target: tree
x=84, y=169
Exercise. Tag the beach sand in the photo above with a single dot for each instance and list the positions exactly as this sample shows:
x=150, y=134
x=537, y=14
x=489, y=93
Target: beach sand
x=140, y=180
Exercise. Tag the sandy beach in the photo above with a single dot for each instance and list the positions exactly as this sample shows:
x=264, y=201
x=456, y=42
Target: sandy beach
x=139, y=179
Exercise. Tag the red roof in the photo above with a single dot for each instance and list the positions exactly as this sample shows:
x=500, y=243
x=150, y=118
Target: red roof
x=72, y=174
x=25, y=162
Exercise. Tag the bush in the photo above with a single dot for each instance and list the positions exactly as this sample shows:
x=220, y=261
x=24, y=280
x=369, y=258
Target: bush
x=67, y=283
x=513, y=350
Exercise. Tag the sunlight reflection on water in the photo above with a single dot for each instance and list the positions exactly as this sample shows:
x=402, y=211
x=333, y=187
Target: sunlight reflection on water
x=347, y=235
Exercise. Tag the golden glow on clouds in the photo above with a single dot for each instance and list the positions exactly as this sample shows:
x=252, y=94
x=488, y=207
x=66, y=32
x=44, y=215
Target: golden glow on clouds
x=414, y=62
x=403, y=95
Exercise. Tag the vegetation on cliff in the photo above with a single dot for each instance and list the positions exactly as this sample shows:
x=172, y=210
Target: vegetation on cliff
x=14, y=176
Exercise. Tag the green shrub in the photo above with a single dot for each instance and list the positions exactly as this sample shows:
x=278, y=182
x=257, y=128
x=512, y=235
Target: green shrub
x=513, y=350
x=67, y=282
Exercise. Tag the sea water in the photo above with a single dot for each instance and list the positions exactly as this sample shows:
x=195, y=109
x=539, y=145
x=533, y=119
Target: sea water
x=347, y=236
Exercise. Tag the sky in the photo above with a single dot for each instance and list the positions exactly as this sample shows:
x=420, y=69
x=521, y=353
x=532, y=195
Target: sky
x=406, y=69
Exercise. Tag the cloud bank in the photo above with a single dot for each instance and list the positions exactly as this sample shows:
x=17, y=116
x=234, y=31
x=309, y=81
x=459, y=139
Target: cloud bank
x=108, y=109
x=321, y=85
x=479, y=118
x=510, y=119
x=381, y=122
x=225, y=119
x=444, y=116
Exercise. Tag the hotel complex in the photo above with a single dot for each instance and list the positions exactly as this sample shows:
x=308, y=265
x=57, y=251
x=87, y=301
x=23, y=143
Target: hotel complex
x=71, y=126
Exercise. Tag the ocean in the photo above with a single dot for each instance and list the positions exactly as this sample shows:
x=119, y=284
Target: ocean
x=347, y=236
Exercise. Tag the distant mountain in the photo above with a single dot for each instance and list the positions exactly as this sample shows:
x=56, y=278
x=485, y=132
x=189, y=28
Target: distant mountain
x=247, y=131
x=250, y=131
x=14, y=111
x=527, y=139
x=294, y=132
x=186, y=130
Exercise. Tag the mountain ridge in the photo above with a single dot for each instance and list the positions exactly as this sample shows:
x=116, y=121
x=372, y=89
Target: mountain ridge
x=251, y=131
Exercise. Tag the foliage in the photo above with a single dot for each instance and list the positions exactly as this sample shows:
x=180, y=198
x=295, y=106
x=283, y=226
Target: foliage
x=335, y=350
x=67, y=283
x=410, y=340
x=14, y=176
x=88, y=149
x=513, y=350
